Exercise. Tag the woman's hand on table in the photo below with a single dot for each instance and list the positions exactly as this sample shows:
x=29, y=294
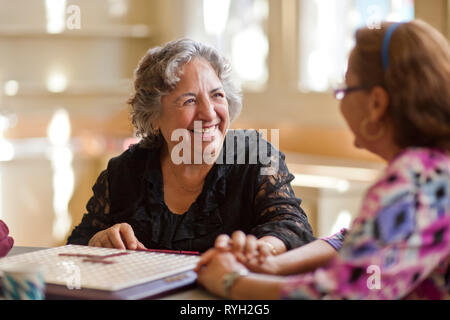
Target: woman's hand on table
x=119, y=236
x=212, y=274
x=255, y=254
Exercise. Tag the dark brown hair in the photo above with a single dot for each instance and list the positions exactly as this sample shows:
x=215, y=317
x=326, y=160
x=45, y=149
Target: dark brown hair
x=417, y=80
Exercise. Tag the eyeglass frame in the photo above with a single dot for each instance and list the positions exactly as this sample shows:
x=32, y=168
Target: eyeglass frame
x=348, y=90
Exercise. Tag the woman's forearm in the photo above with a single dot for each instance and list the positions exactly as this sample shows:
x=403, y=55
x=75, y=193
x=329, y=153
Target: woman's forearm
x=305, y=258
x=257, y=287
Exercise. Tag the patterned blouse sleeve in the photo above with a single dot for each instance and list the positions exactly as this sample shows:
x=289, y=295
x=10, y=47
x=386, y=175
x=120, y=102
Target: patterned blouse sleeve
x=278, y=210
x=390, y=253
x=97, y=217
x=336, y=240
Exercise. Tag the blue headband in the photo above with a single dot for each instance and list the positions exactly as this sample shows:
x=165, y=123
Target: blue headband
x=386, y=40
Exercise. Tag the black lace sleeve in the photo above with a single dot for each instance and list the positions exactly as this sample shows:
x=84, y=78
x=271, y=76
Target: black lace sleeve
x=278, y=210
x=97, y=217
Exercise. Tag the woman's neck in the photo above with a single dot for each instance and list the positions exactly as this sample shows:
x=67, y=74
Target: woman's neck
x=189, y=177
x=386, y=148
x=390, y=153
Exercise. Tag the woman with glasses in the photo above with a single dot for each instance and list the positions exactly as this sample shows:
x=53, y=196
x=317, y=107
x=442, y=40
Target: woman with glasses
x=397, y=104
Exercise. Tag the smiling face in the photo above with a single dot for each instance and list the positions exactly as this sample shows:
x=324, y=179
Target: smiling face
x=197, y=104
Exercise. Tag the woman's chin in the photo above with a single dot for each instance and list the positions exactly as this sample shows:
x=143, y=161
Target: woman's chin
x=208, y=151
x=208, y=146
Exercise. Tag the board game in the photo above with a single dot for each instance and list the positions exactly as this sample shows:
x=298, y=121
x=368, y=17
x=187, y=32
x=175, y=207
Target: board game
x=75, y=271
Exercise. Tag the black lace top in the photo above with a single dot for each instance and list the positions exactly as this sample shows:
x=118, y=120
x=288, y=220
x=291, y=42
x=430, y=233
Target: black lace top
x=234, y=197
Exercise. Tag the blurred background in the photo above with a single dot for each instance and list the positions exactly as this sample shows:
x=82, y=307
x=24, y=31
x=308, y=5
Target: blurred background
x=66, y=71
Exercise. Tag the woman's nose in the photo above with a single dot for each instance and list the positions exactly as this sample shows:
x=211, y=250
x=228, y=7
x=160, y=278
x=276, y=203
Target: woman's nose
x=206, y=110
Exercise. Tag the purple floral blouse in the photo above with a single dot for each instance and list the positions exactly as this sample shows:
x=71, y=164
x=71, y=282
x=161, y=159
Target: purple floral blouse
x=398, y=247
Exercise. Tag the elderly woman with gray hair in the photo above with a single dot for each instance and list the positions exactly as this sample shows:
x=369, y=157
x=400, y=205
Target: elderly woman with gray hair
x=160, y=196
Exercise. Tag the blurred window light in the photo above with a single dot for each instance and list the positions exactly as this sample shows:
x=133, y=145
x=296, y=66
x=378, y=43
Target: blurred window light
x=58, y=131
x=238, y=29
x=343, y=221
x=249, y=67
x=6, y=150
x=11, y=88
x=4, y=124
x=315, y=181
x=61, y=156
x=118, y=8
x=56, y=15
x=215, y=15
x=63, y=186
x=6, y=147
x=56, y=82
x=326, y=34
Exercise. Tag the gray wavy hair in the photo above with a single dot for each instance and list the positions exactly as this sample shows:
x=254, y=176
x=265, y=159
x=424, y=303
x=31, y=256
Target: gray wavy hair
x=157, y=75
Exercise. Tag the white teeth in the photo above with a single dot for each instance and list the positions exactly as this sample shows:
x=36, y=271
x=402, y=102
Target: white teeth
x=205, y=130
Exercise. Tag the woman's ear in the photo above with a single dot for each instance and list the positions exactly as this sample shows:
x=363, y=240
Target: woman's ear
x=379, y=102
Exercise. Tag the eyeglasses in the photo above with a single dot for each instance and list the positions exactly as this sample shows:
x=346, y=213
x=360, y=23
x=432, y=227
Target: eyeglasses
x=340, y=93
